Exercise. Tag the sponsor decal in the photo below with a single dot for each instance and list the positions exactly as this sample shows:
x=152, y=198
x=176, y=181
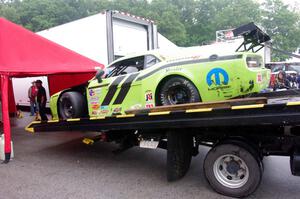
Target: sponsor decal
x=97, y=91
x=95, y=106
x=173, y=69
x=150, y=105
x=91, y=92
x=94, y=112
x=217, y=78
x=218, y=88
x=94, y=99
x=104, y=112
x=117, y=110
x=104, y=108
x=136, y=106
x=149, y=96
x=259, y=78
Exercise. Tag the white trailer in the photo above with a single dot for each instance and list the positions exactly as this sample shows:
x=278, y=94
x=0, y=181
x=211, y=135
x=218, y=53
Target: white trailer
x=102, y=37
x=107, y=36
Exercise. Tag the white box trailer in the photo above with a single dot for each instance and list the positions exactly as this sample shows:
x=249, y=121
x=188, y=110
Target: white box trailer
x=107, y=36
x=21, y=87
x=102, y=37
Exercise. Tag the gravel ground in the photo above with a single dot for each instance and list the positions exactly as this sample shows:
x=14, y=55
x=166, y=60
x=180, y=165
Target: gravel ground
x=57, y=165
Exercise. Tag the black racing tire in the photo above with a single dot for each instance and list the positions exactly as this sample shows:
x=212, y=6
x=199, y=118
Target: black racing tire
x=232, y=170
x=179, y=154
x=178, y=90
x=72, y=104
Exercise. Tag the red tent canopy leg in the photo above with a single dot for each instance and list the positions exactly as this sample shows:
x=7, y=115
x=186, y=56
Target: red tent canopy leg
x=5, y=117
x=11, y=98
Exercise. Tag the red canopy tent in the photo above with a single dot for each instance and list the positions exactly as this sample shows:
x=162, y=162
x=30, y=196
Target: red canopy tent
x=24, y=53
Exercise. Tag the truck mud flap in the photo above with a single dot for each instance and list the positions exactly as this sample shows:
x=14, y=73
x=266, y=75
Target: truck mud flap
x=179, y=154
x=295, y=163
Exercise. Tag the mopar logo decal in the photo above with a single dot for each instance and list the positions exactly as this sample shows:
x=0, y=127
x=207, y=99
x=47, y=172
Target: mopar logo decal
x=215, y=75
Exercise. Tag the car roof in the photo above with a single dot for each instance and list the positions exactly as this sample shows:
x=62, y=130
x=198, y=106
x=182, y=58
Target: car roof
x=163, y=55
x=174, y=54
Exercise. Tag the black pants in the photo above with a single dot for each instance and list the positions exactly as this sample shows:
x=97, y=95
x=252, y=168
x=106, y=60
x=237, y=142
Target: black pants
x=42, y=110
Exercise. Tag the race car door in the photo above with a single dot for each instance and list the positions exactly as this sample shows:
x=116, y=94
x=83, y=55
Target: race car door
x=117, y=92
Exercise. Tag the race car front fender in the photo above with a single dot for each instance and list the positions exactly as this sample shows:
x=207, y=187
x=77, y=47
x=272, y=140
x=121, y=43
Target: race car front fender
x=54, y=105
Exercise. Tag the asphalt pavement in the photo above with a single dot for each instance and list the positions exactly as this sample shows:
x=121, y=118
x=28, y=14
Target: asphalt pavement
x=58, y=165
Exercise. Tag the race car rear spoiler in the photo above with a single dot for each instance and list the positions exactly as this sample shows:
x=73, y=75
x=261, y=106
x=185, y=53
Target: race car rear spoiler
x=253, y=36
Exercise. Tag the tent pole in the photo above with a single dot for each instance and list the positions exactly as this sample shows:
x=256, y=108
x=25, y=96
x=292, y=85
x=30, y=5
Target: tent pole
x=5, y=117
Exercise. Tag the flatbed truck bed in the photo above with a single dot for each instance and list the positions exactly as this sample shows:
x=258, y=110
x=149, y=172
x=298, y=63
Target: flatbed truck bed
x=240, y=133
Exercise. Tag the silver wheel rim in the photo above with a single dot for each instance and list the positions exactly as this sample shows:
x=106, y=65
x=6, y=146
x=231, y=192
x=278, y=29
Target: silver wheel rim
x=231, y=171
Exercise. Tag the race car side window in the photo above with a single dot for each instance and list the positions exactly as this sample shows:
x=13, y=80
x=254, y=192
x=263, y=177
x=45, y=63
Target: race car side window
x=150, y=60
x=127, y=66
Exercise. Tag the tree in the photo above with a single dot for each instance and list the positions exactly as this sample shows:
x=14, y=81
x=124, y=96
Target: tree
x=283, y=26
x=37, y=15
x=212, y=15
x=184, y=22
x=8, y=10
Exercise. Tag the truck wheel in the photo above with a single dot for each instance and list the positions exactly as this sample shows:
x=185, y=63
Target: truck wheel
x=178, y=90
x=179, y=154
x=71, y=105
x=232, y=170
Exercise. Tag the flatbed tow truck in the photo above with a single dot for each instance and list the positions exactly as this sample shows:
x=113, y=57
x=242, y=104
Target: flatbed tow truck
x=240, y=133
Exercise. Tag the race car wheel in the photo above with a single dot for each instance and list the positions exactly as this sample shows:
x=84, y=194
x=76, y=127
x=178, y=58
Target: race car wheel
x=232, y=170
x=178, y=90
x=71, y=105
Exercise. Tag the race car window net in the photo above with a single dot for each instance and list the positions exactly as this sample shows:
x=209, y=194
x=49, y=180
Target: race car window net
x=150, y=60
x=126, y=66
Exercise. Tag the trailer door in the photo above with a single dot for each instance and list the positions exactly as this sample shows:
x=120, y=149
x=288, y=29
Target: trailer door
x=129, y=37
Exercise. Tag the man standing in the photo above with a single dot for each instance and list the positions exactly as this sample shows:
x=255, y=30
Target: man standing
x=41, y=100
x=32, y=92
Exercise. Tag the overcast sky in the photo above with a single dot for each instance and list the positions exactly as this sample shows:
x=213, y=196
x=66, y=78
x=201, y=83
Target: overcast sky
x=292, y=3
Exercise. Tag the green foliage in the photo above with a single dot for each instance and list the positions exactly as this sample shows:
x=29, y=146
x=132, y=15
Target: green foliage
x=185, y=22
x=282, y=25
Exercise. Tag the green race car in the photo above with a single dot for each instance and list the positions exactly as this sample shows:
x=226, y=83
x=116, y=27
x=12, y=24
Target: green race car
x=155, y=78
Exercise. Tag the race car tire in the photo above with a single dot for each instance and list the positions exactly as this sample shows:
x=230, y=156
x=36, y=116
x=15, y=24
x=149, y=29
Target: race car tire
x=232, y=170
x=178, y=90
x=71, y=105
x=179, y=154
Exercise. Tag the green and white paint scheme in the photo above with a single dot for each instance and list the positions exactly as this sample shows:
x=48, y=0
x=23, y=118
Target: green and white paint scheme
x=215, y=77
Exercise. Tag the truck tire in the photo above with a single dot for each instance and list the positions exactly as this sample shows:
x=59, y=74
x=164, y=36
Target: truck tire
x=232, y=170
x=179, y=154
x=72, y=105
x=249, y=146
x=178, y=90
